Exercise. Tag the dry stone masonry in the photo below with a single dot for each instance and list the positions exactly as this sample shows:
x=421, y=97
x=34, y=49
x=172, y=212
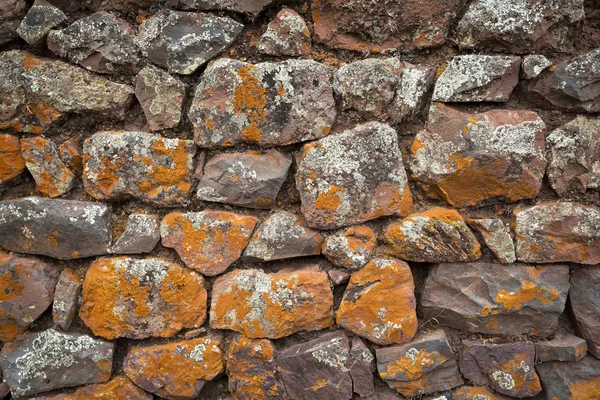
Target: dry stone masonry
x=299, y=200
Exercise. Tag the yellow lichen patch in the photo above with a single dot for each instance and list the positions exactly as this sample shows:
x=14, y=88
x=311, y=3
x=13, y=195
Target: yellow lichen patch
x=117, y=388
x=52, y=238
x=415, y=365
x=250, y=99
x=10, y=287
x=529, y=291
x=11, y=161
x=319, y=384
x=251, y=133
x=209, y=124
x=30, y=61
x=585, y=390
x=179, y=158
x=472, y=393
x=329, y=200
x=416, y=145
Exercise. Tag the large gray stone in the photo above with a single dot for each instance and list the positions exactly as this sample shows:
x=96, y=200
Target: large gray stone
x=585, y=305
x=41, y=18
x=571, y=380
x=140, y=236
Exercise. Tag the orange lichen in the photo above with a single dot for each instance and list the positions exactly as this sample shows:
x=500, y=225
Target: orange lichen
x=209, y=124
x=585, y=390
x=529, y=291
x=250, y=99
x=11, y=161
x=522, y=378
x=329, y=200
x=119, y=387
x=416, y=145
x=251, y=133
x=52, y=238
x=30, y=61
x=415, y=366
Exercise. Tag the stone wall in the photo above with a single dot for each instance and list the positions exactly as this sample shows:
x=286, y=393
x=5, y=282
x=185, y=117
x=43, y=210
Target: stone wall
x=328, y=199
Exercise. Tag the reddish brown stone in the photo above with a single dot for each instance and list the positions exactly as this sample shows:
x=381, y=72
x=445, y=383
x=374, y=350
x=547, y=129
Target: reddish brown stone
x=11, y=12
x=564, y=347
x=207, y=241
x=571, y=381
x=52, y=177
x=286, y=35
x=118, y=388
x=496, y=237
x=379, y=303
x=70, y=153
x=475, y=393
x=351, y=248
x=362, y=366
x=338, y=276
x=161, y=97
x=585, y=305
x=252, y=7
x=66, y=298
x=11, y=161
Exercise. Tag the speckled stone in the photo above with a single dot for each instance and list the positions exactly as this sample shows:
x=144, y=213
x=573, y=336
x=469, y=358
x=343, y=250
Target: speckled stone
x=570, y=380
x=66, y=298
x=40, y=19
x=286, y=35
x=161, y=97
x=533, y=65
x=252, y=7
x=350, y=248
x=11, y=13
x=496, y=237
x=140, y=236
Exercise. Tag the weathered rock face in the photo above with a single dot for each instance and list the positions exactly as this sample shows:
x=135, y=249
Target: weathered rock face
x=585, y=305
x=352, y=177
x=252, y=370
x=12, y=163
x=496, y=237
x=207, y=241
x=570, y=381
x=48, y=360
x=262, y=305
x=362, y=368
x=283, y=235
x=40, y=19
x=70, y=153
x=437, y=235
x=574, y=156
x=286, y=35
x=379, y=303
x=351, y=248
x=101, y=42
x=141, y=298
x=161, y=97
x=478, y=78
x=63, y=229
x=556, y=232
x=34, y=92
x=496, y=299
x=473, y=393
x=176, y=370
x=425, y=365
x=574, y=85
x=533, y=65
x=250, y=179
x=26, y=291
x=51, y=175
x=252, y=7
x=521, y=26
x=270, y=104
x=508, y=368
x=66, y=298
x=149, y=167
x=465, y=159
x=183, y=41
x=140, y=236
x=567, y=348
x=379, y=27
x=118, y=388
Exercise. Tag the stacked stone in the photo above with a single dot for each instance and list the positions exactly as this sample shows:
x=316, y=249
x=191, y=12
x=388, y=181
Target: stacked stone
x=188, y=210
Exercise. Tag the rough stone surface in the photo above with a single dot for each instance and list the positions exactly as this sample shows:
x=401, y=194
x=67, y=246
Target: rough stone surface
x=564, y=347
x=262, y=305
x=100, y=42
x=12, y=163
x=252, y=370
x=35, y=92
x=338, y=276
x=250, y=179
x=141, y=235
x=118, y=388
x=436, y=235
x=177, y=370
x=383, y=26
x=11, y=12
x=251, y=7
x=141, y=298
x=496, y=299
x=161, y=97
x=571, y=381
x=521, y=26
x=496, y=237
x=352, y=177
x=51, y=175
x=48, y=360
x=183, y=41
x=556, y=232
x=478, y=78
x=585, y=305
x=63, y=229
x=66, y=298
x=40, y=19
x=362, y=367
x=146, y=166
x=533, y=65
x=26, y=291
x=283, y=235
x=465, y=159
x=70, y=153
x=350, y=248
x=269, y=104
x=508, y=368
x=286, y=35
x=425, y=365
x=379, y=303
x=574, y=157
x=207, y=241
x=474, y=393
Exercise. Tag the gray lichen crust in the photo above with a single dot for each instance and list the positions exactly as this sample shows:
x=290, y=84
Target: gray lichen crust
x=41, y=18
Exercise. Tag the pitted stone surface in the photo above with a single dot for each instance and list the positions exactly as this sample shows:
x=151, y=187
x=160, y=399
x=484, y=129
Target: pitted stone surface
x=52, y=177
x=533, y=65
x=353, y=176
x=40, y=19
x=496, y=299
x=183, y=41
x=563, y=347
x=207, y=241
x=557, y=232
x=251, y=7
x=141, y=235
x=26, y=291
x=572, y=381
x=262, y=305
x=66, y=298
x=269, y=104
x=466, y=159
x=161, y=97
x=425, y=365
x=585, y=305
x=177, y=370
x=12, y=163
x=63, y=229
x=43, y=361
x=146, y=166
x=250, y=179
x=379, y=303
x=521, y=26
x=286, y=35
x=283, y=235
x=141, y=298
x=350, y=248
x=436, y=235
x=496, y=237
